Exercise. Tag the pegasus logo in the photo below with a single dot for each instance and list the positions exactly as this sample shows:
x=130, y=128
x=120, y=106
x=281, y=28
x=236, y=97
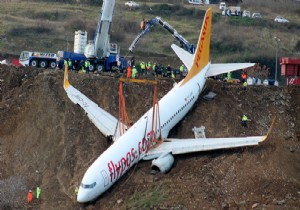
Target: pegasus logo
x=203, y=37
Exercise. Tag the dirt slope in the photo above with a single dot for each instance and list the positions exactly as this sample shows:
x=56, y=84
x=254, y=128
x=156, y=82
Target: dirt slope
x=46, y=140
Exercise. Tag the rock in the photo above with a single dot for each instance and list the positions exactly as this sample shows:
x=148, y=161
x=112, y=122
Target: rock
x=281, y=202
x=225, y=206
x=255, y=205
x=119, y=201
x=242, y=203
x=291, y=149
x=289, y=196
x=153, y=172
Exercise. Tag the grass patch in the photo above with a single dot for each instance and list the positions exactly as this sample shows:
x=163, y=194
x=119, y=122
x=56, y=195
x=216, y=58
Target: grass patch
x=167, y=10
x=46, y=15
x=147, y=199
x=239, y=21
x=21, y=31
x=226, y=47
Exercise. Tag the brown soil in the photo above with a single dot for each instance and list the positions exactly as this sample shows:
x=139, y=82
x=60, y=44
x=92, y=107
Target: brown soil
x=46, y=140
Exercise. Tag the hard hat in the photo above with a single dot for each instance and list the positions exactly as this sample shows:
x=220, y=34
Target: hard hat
x=29, y=190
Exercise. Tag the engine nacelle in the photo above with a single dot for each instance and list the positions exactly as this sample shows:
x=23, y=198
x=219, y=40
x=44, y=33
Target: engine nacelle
x=163, y=163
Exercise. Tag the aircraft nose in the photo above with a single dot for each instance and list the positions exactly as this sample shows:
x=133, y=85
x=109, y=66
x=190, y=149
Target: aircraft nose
x=82, y=197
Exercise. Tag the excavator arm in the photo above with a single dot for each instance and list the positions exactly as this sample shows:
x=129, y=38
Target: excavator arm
x=149, y=24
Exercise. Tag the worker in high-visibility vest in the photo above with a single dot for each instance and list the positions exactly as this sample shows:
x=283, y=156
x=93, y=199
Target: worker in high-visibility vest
x=169, y=71
x=65, y=63
x=134, y=71
x=172, y=75
x=228, y=76
x=153, y=69
x=87, y=66
x=129, y=71
x=38, y=192
x=143, y=67
x=244, y=77
x=244, y=120
x=245, y=84
x=181, y=68
x=29, y=196
x=148, y=67
x=70, y=64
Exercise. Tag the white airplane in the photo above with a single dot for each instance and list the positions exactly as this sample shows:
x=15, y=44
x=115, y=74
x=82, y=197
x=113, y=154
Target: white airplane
x=135, y=144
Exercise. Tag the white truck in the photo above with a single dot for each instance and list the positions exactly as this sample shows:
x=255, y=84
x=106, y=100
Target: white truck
x=38, y=59
x=232, y=11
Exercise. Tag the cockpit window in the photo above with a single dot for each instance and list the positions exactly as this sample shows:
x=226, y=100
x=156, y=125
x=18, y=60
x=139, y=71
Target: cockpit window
x=88, y=186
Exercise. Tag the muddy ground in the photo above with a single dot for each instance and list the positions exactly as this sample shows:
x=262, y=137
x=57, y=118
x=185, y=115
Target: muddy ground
x=48, y=141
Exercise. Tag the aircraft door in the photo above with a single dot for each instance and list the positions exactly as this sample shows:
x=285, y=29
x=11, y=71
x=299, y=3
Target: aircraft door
x=105, y=178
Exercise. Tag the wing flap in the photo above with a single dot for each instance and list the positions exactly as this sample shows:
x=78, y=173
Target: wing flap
x=216, y=69
x=182, y=146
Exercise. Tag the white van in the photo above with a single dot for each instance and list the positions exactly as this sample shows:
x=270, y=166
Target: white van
x=246, y=13
x=222, y=6
x=199, y=2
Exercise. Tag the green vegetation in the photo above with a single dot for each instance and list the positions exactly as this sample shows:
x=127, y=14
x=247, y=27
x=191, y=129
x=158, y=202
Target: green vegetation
x=177, y=10
x=147, y=199
x=44, y=26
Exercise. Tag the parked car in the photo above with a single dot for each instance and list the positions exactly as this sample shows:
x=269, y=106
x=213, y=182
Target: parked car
x=256, y=15
x=280, y=19
x=132, y=4
x=246, y=13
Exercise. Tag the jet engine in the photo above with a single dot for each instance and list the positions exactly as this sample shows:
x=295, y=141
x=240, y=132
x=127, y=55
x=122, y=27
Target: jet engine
x=163, y=163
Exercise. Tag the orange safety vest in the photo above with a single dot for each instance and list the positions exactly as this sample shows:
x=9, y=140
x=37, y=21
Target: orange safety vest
x=244, y=76
x=129, y=72
x=29, y=197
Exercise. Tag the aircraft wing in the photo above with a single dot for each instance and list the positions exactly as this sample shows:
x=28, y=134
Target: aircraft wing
x=104, y=121
x=186, y=57
x=216, y=69
x=182, y=146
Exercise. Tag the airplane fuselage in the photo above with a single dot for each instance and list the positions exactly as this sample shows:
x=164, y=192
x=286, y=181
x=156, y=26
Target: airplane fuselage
x=135, y=142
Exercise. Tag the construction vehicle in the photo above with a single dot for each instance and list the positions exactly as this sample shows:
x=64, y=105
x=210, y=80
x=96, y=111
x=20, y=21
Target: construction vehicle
x=146, y=26
x=38, y=59
x=50, y=60
x=103, y=55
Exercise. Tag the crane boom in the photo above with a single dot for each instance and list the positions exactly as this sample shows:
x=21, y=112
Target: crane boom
x=183, y=42
x=100, y=47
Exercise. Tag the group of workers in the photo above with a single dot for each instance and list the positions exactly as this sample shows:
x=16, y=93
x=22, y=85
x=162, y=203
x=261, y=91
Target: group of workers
x=84, y=66
x=30, y=196
x=133, y=71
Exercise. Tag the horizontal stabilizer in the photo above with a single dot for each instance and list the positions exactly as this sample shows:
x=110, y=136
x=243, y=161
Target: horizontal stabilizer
x=216, y=69
x=182, y=146
x=186, y=57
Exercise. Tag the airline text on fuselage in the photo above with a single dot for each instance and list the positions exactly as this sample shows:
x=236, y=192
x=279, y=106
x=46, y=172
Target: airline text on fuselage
x=116, y=170
x=203, y=36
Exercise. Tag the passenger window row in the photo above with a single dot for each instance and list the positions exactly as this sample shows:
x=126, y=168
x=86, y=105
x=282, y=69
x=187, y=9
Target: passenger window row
x=181, y=109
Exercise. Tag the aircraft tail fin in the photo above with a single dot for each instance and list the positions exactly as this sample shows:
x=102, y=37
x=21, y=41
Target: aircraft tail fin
x=201, y=57
x=66, y=78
